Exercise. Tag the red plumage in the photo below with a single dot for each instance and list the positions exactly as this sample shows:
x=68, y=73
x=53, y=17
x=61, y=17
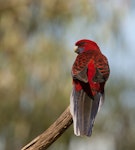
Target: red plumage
x=90, y=71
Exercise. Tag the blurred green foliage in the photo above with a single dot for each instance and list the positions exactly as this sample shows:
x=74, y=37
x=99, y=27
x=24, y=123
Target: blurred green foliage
x=35, y=66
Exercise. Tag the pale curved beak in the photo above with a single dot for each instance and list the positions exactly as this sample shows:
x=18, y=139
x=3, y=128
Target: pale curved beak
x=76, y=49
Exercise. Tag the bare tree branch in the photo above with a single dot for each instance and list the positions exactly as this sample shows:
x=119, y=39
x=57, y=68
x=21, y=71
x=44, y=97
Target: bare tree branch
x=44, y=140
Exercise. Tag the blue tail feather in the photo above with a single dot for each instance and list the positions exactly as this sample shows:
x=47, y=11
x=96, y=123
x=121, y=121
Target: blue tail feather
x=83, y=110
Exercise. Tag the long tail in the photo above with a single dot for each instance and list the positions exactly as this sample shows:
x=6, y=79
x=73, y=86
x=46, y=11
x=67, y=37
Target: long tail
x=84, y=110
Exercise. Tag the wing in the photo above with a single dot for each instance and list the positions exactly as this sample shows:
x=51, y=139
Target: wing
x=80, y=66
x=102, y=69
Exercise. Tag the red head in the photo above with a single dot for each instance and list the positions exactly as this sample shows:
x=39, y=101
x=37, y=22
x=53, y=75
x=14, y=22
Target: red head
x=84, y=45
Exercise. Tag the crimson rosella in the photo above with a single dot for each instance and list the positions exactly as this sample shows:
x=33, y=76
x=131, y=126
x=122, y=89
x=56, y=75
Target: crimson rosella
x=90, y=71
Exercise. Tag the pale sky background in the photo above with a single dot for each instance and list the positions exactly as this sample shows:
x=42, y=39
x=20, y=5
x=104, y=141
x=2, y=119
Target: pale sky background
x=118, y=47
x=119, y=50
x=121, y=56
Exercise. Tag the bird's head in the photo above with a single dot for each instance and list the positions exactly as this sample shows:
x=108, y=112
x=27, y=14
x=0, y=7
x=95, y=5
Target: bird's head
x=85, y=45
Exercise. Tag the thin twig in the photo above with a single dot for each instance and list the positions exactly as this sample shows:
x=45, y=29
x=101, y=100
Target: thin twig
x=44, y=140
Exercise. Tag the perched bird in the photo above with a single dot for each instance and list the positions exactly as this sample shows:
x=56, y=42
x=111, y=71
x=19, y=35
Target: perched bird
x=90, y=72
